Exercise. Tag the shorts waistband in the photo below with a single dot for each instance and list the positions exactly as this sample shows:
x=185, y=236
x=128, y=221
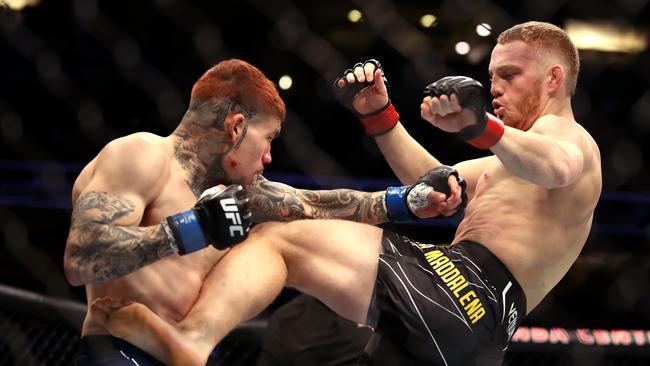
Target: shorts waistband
x=105, y=343
x=100, y=349
x=484, y=258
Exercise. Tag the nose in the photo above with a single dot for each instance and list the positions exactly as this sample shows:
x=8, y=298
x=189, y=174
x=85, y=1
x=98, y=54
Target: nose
x=495, y=89
x=266, y=158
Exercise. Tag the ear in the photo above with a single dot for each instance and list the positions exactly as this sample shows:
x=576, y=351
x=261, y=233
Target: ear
x=556, y=79
x=234, y=126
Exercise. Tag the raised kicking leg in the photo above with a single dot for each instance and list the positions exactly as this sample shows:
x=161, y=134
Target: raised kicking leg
x=334, y=261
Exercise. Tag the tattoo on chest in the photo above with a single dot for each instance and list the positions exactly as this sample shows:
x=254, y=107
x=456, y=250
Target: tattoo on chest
x=104, y=251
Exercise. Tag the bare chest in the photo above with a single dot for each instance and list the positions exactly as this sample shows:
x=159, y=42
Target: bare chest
x=175, y=197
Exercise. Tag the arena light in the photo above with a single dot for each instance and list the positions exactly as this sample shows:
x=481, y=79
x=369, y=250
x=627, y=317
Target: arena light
x=285, y=82
x=606, y=37
x=355, y=16
x=18, y=4
x=484, y=29
x=462, y=48
x=428, y=20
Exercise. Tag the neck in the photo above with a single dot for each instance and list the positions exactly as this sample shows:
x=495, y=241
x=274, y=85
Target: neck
x=559, y=107
x=200, y=151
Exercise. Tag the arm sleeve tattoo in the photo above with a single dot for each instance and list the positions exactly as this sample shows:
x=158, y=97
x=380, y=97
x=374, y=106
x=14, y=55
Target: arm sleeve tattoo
x=99, y=250
x=272, y=201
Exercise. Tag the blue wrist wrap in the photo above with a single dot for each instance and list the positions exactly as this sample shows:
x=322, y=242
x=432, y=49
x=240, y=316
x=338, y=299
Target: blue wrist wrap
x=189, y=232
x=396, y=206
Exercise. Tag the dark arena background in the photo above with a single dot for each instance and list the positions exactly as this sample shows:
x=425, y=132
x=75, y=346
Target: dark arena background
x=77, y=74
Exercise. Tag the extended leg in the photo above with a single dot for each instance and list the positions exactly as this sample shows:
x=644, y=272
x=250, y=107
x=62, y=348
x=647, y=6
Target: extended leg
x=334, y=261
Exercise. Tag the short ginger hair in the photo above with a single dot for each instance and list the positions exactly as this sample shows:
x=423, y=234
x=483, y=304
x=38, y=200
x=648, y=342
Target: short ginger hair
x=239, y=82
x=547, y=38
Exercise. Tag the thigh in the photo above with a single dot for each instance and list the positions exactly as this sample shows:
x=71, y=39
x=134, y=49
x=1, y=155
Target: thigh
x=334, y=261
x=432, y=302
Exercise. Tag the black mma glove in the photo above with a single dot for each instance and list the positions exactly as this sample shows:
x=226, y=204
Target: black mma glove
x=488, y=129
x=375, y=123
x=221, y=218
x=400, y=204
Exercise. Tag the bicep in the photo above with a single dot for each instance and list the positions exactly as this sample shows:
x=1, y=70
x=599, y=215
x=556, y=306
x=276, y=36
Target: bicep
x=102, y=203
x=119, y=190
x=568, y=138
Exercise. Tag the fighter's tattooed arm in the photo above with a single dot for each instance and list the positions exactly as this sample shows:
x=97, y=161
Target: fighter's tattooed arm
x=97, y=250
x=272, y=201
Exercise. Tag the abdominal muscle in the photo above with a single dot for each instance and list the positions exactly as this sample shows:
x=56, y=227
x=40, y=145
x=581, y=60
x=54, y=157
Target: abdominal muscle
x=530, y=229
x=169, y=287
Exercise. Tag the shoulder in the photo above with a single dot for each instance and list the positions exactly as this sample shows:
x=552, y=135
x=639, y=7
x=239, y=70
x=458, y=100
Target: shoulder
x=550, y=123
x=133, y=151
x=561, y=128
x=568, y=130
x=137, y=142
x=134, y=163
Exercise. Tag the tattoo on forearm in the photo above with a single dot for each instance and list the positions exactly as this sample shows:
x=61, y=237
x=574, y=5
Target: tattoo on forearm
x=272, y=201
x=103, y=251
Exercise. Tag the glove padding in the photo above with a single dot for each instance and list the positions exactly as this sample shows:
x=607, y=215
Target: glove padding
x=347, y=93
x=221, y=217
x=376, y=122
x=401, y=202
x=438, y=178
x=488, y=129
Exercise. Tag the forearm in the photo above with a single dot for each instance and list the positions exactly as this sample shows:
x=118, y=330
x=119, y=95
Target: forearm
x=100, y=252
x=406, y=157
x=537, y=158
x=277, y=202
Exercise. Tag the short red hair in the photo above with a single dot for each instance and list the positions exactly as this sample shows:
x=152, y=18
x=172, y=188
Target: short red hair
x=548, y=39
x=239, y=82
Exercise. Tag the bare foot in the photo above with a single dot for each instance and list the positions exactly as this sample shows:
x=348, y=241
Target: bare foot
x=138, y=325
x=102, y=307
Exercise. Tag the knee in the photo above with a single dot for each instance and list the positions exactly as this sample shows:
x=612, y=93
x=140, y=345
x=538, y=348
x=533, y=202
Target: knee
x=268, y=229
x=279, y=235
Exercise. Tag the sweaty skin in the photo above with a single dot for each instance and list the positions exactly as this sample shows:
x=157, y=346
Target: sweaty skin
x=118, y=248
x=537, y=233
x=170, y=285
x=116, y=245
x=531, y=205
x=533, y=202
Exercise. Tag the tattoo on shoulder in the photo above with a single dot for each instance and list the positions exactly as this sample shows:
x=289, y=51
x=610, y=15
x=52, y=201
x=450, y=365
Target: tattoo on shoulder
x=103, y=250
x=109, y=207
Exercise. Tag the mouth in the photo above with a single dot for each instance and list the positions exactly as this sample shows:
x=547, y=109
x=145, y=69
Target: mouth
x=498, y=109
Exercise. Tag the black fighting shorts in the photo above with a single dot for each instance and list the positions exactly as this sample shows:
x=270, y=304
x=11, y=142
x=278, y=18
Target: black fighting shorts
x=104, y=350
x=445, y=305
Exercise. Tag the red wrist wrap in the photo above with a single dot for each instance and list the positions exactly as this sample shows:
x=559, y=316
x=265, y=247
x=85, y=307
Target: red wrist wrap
x=492, y=133
x=381, y=122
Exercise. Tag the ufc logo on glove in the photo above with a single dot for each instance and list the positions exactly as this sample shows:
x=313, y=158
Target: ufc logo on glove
x=229, y=207
x=221, y=218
